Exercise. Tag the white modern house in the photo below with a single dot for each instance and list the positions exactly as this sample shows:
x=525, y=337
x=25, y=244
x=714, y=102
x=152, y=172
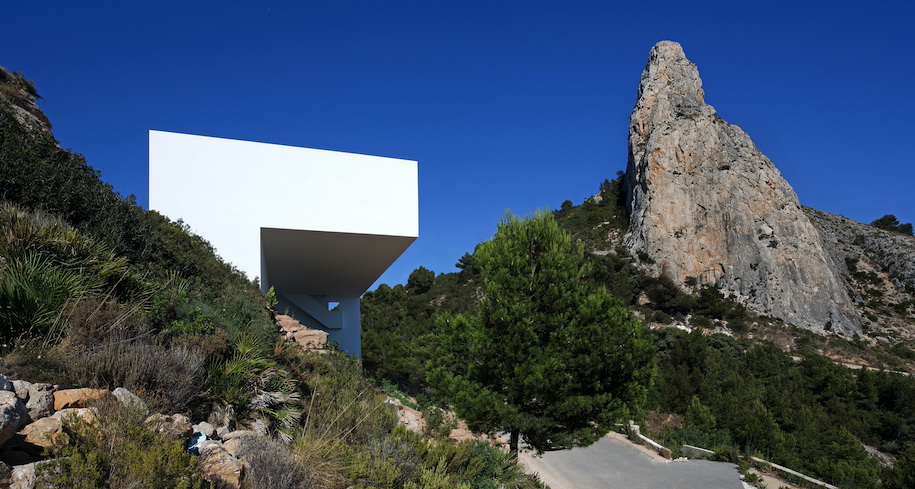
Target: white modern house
x=319, y=226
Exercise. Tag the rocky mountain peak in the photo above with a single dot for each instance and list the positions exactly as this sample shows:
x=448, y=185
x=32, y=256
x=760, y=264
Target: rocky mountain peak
x=670, y=82
x=706, y=205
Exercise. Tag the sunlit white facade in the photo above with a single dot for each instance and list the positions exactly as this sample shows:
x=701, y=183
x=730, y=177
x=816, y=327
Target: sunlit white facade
x=319, y=226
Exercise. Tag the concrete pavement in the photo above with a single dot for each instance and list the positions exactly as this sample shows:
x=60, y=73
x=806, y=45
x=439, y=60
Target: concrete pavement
x=616, y=463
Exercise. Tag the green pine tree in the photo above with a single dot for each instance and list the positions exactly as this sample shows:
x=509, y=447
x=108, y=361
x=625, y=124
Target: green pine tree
x=550, y=356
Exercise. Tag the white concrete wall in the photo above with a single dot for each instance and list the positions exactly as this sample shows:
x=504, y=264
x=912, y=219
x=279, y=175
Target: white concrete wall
x=226, y=190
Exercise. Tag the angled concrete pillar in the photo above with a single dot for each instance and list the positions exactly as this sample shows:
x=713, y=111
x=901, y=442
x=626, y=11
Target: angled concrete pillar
x=318, y=226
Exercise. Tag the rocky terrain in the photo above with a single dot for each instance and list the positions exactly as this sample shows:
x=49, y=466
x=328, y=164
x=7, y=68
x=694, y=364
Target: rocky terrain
x=21, y=95
x=879, y=270
x=707, y=207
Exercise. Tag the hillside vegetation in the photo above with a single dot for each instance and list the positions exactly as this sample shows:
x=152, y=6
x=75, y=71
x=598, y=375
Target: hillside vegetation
x=739, y=383
x=97, y=292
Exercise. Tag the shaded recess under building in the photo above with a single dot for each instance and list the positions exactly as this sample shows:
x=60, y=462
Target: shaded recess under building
x=319, y=226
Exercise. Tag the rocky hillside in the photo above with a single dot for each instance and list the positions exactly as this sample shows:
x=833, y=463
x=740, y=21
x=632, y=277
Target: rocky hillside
x=707, y=207
x=879, y=271
x=97, y=293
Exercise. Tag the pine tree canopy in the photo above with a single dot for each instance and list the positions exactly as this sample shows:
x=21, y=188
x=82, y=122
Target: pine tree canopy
x=549, y=355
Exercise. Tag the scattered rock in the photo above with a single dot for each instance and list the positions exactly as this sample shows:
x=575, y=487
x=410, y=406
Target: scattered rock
x=412, y=419
x=77, y=398
x=23, y=476
x=85, y=414
x=130, y=400
x=310, y=339
x=21, y=388
x=176, y=425
x=43, y=434
x=40, y=400
x=219, y=466
x=205, y=428
x=236, y=434
x=13, y=414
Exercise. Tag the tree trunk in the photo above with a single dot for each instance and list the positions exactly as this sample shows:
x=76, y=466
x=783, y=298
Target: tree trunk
x=513, y=443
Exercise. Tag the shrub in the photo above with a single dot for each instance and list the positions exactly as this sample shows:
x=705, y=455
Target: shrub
x=170, y=375
x=270, y=464
x=117, y=451
x=46, y=264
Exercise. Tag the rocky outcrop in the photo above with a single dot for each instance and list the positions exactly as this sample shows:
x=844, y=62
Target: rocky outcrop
x=20, y=94
x=705, y=203
x=845, y=238
x=293, y=330
x=218, y=466
x=879, y=269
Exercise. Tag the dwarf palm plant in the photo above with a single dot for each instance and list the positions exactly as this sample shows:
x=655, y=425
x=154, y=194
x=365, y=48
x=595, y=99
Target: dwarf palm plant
x=44, y=265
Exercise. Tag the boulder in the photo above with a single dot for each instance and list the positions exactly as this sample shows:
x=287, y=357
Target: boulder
x=21, y=388
x=205, y=428
x=43, y=434
x=77, y=398
x=311, y=339
x=86, y=414
x=40, y=401
x=13, y=414
x=23, y=476
x=236, y=434
x=176, y=425
x=412, y=419
x=130, y=400
x=234, y=446
x=218, y=466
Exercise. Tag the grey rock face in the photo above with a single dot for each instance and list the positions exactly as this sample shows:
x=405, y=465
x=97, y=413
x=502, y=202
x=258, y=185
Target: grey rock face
x=40, y=400
x=130, y=399
x=12, y=414
x=704, y=202
x=880, y=272
x=845, y=238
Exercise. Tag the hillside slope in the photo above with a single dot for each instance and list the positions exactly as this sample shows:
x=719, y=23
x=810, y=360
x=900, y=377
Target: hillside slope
x=98, y=292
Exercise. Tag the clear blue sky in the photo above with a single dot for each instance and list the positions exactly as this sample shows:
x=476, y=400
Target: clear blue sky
x=506, y=105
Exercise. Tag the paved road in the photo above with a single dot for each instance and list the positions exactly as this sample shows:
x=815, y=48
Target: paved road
x=615, y=463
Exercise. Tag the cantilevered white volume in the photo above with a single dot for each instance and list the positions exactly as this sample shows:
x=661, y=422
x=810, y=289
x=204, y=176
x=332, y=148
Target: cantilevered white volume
x=319, y=226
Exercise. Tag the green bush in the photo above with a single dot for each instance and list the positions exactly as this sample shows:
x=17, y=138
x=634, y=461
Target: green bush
x=45, y=265
x=116, y=451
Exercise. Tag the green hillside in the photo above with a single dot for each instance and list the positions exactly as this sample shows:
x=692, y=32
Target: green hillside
x=98, y=292
x=730, y=385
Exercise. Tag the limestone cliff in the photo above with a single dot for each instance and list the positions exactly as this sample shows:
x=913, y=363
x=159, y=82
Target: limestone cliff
x=704, y=202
